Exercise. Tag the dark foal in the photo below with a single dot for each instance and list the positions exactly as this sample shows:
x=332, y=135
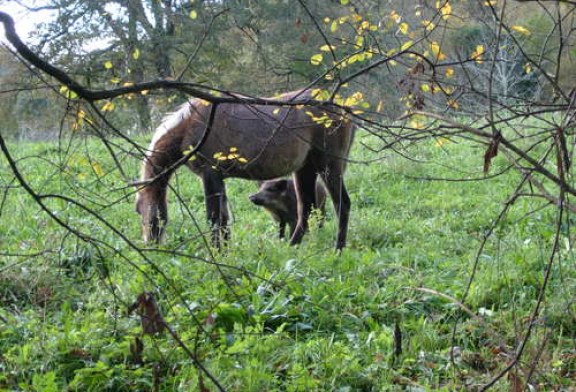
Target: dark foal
x=278, y=197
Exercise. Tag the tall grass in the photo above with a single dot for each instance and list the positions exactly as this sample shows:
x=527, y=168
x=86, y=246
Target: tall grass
x=262, y=315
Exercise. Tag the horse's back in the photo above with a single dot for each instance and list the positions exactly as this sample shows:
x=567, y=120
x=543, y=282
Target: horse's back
x=265, y=141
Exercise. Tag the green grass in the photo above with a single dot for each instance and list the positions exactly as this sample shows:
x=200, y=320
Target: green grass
x=269, y=316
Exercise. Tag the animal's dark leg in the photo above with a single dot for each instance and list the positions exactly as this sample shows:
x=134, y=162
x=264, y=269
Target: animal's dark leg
x=333, y=179
x=216, y=210
x=162, y=217
x=282, y=229
x=224, y=215
x=292, y=226
x=305, y=187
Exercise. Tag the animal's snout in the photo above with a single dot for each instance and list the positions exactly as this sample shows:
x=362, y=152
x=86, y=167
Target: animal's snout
x=256, y=199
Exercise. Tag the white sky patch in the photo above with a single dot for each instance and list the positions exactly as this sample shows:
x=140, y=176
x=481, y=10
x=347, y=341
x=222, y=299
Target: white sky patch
x=25, y=21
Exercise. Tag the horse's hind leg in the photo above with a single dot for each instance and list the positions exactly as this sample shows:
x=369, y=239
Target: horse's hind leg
x=305, y=186
x=333, y=176
x=216, y=207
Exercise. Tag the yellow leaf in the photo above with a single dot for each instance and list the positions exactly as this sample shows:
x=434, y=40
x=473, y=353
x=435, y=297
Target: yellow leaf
x=406, y=45
x=435, y=47
x=428, y=25
x=333, y=26
x=327, y=48
x=193, y=14
x=520, y=29
x=403, y=27
x=380, y=106
x=477, y=54
x=108, y=64
x=527, y=68
x=425, y=87
x=242, y=160
x=233, y=149
x=449, y=72
x=490, y=3
x=365, y=25
x=97, y=169
x=115, y=80
x=395, y=17
x=68, y=93
x=452, y=104
x=445, y=8
x=316, y=59
x=416, y=124
x=344, y=2
x=276, y=111
x=136, y=54
x=441, y=141
x=108, y=106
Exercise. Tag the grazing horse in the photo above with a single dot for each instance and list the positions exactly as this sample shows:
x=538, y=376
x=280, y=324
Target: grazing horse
x=256, y=142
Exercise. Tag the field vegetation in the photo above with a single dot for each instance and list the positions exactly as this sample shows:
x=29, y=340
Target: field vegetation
x=430, y=294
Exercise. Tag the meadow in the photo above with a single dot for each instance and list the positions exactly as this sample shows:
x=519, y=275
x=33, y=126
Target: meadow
x=434, y=291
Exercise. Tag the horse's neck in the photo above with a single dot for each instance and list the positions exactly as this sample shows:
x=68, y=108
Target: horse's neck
x=162, y=160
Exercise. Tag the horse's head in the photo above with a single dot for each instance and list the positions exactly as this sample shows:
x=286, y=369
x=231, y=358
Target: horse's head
x=152, y=207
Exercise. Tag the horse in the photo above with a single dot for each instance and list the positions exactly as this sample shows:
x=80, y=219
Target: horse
x=249, y=141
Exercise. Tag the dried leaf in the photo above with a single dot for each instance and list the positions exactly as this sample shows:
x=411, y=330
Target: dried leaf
x=150, y=317
x=491, y=151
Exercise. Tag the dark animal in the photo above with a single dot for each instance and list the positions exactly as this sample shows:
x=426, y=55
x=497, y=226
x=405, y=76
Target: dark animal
x=278, y=197
x=256, y=142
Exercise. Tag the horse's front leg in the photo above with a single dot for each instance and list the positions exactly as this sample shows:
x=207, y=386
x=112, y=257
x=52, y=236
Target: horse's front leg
x=216, y=207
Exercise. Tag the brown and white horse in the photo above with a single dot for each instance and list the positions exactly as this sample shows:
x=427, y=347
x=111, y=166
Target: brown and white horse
x=256, y=142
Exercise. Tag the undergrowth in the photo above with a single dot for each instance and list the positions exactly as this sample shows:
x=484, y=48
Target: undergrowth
x=384, y=315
